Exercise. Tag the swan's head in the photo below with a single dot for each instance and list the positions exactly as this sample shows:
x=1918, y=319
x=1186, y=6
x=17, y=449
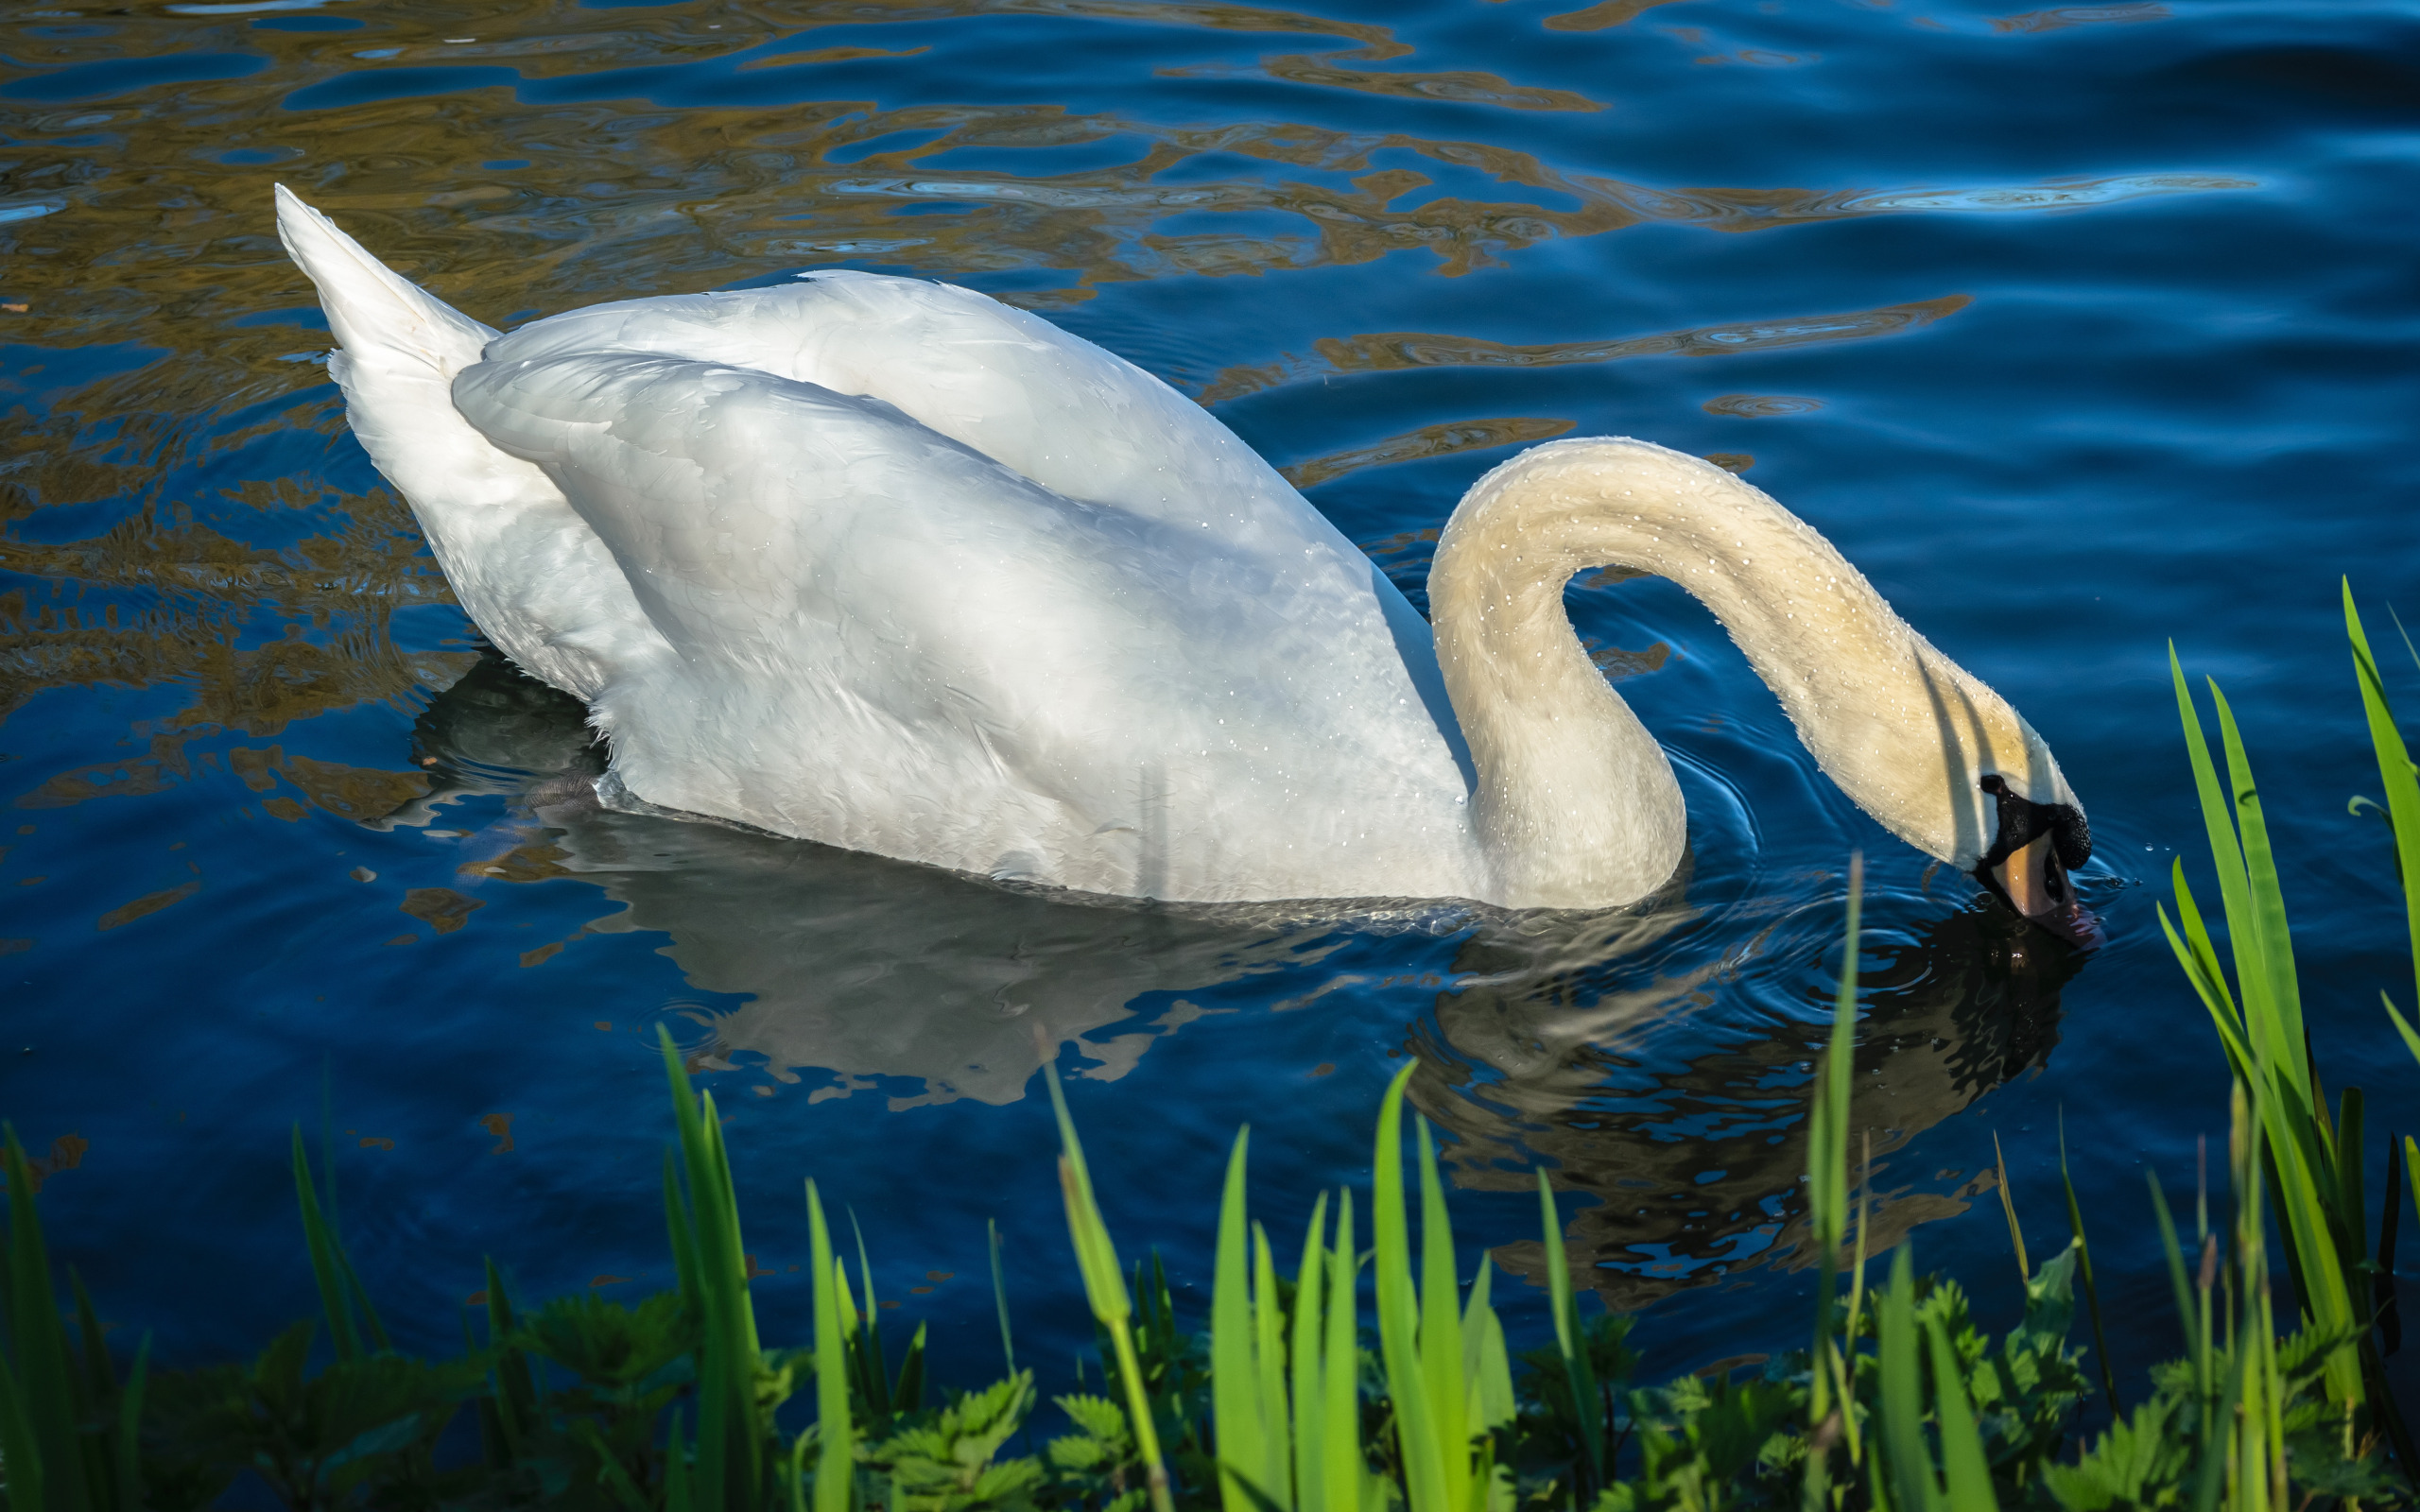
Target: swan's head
x=1947, y=765
x=2035, y=849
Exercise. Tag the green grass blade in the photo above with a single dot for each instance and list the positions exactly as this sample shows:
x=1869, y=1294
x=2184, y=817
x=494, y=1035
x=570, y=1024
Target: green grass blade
x=794, y=1475
x=2206, y=967
x=20, y=1445
x=37, y=1396
x=2083, y=1256
x=2396, y=772
x=2008, y=1209
x=1913, y=1484
x=516, y=1392
x=126, y=1450
x=1000, y=1298
x=99, y=1380
x=1345, y=1473
x=2219, y=1449
x=731, y=1435
x=1827, y=1147
x=907, y=1390
x=2402, y=1026
x=684, y=1241
x=1857, y=1298
x=610, y=1472
x=1304, y=1355
x=1440, y=1326
x=1827, y=1182
x=1234, y=1406
x=2411, y=1170
x=334, y=1300
x=2273, y=1058
x=1578, y=1374
x=2188, y=1316
x=1962, y=1445
x=1096, y=1256
x=679, y=1494
x=836, y=1468
x=2226, y=850
x=1419, y=1446
x=873, y=1370
x=2284, y=1015
x=2201, y=968
x=1105, y=1287
x=1486, y=1364
x=2351, y=1202
x=1138, y=1412
x=2305, y=1190
x=1269, y=1347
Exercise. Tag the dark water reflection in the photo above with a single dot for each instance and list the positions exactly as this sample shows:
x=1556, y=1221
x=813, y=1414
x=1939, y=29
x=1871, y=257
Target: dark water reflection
x=1697, y=1167
x=858, y=974
x=2076, y=327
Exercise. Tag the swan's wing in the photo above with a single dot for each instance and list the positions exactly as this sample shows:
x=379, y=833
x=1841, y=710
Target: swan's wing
x=1045, y=403
x=889, y=641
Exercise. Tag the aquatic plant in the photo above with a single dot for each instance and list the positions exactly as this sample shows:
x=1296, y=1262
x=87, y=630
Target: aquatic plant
x=2311, y=1162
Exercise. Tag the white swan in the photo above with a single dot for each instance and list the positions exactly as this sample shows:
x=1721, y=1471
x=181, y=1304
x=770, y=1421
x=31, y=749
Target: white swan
x=886, y=565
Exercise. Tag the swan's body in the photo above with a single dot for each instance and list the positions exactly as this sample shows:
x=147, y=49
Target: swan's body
x=886, y=565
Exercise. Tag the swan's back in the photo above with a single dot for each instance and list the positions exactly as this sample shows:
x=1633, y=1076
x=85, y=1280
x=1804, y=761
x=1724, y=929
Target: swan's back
x=889, y=641
x=1048, y=406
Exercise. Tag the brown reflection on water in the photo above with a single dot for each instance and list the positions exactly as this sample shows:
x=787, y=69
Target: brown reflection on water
x=1460, y=87
x=1392, y=351
x=1442, y=439
x=1695, y=1167
x=1599, y=17
x=140, y=229
x=2059, y=17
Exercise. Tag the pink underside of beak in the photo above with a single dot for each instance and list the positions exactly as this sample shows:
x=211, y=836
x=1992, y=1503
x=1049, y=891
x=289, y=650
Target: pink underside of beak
x=2073, y=923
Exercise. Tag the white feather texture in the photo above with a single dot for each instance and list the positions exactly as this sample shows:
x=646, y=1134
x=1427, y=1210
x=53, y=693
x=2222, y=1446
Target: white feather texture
x=887, y=565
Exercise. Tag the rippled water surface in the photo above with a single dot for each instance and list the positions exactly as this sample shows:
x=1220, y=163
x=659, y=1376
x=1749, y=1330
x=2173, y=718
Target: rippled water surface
x=2077, y=328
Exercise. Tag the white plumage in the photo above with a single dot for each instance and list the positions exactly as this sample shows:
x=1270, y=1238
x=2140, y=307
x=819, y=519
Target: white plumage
x=886, y=565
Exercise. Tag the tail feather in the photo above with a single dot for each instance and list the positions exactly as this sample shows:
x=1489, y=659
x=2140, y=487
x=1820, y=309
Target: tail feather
x=377, y=315
x=524, y=565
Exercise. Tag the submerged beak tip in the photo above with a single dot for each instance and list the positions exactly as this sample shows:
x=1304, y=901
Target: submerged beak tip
x=2073, y=922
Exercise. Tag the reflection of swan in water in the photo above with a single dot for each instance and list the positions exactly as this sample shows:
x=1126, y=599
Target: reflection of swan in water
x=1696, y=1155
x=886, y=565
x=876, y=971
x=931, y=987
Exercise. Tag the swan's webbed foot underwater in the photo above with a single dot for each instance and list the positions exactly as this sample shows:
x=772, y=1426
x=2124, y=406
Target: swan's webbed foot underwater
x=2028, y=864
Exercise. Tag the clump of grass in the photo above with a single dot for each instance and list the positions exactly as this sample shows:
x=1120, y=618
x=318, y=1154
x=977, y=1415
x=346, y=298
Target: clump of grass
x=2311, y=1160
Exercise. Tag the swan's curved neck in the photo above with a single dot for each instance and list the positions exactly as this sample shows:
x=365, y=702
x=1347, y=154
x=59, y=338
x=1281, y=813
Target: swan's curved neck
x=1577, y=805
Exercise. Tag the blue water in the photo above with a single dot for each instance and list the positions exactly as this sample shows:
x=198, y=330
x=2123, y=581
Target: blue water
x=2077, y=330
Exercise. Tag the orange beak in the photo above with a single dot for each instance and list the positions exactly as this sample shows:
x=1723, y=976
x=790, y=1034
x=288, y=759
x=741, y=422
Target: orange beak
x=2035, y=884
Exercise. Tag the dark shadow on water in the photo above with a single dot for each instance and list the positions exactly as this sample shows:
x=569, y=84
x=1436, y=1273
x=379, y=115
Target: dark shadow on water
x=1695, y=1159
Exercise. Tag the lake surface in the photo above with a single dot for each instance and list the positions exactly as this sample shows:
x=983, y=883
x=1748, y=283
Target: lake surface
x=2077, y=329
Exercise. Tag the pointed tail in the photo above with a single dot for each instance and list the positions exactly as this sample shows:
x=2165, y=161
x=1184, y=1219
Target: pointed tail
x=380, y=318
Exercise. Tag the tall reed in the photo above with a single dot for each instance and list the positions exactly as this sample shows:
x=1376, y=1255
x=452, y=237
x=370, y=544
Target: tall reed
x=2311, y=1159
